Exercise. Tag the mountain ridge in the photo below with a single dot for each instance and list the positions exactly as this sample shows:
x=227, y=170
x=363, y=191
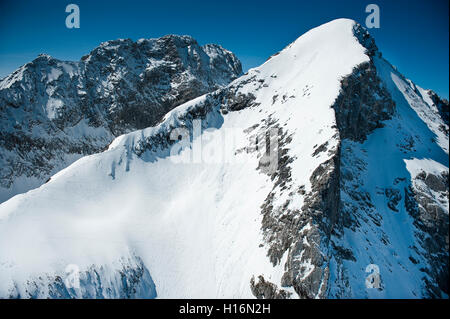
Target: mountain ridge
x=339, y=199
x=54, y=112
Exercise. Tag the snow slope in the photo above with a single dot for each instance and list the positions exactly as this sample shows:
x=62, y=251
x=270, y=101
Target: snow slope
x=377, y=175
x=230, y=222
x=55, y=112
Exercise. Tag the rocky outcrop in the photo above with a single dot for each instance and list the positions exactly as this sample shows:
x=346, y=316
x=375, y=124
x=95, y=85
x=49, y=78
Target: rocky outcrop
x=263, y=289
x=126, y=279
x=442, y=106
x=363, y=103
x=426, y=201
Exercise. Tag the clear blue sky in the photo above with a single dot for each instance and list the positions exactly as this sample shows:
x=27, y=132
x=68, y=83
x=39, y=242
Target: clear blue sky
x=413, y=34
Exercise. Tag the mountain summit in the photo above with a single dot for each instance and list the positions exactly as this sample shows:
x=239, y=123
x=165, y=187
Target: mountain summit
x=54, y=112
x=323, y=173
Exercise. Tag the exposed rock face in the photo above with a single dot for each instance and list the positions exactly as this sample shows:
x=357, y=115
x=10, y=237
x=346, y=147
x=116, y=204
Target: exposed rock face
x=426, y=201
x=53, y=112
x=363, y=104
x=365, y=39
x=266, y=290
x=148, y=78
x=126, y=279
x=442, y=105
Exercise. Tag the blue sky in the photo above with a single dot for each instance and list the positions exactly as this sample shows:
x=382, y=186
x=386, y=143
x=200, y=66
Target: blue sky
x=413, y=34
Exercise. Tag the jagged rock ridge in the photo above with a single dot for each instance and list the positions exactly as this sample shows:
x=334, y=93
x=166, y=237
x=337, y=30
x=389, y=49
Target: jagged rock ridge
x=53, y=112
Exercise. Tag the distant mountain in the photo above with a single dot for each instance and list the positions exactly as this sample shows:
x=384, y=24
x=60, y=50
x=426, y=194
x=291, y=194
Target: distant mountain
x=323, y=173
x=54, y=112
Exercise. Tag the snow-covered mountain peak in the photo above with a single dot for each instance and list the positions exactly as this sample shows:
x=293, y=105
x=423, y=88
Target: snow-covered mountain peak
x=288, y=182
x=43, y=57
x=290, y=76
x=326, y=36
x=54, y=112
